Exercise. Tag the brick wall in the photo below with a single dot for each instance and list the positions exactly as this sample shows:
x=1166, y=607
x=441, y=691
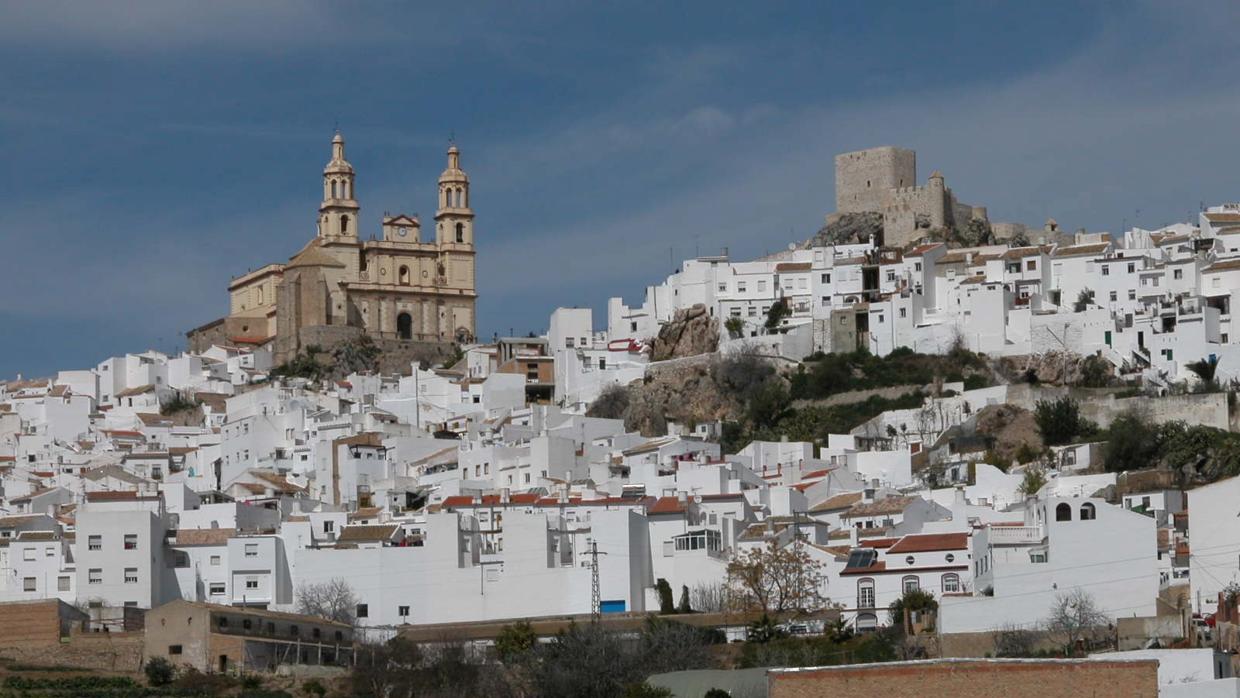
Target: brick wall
x=94, y=651
x=36, y=622
x=974, y=679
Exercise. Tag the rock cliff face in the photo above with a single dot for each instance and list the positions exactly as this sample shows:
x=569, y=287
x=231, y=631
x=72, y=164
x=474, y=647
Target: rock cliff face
x=1059, y=368
x=692, y=331
x=683, y=392
x=849, y=228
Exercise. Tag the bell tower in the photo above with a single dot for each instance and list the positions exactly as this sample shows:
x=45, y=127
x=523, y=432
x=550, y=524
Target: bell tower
x=454, y=219
x=338, y=214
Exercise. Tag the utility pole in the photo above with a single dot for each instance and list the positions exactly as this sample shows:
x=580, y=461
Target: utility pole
x=596, y=597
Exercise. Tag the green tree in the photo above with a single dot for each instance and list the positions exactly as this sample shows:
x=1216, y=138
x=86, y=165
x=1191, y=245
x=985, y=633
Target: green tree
x=357, y=355
x=666, y=605
x=735, y=327
x=913, y=601
x=1033, y=482
x=1060, y=421
x=683, y=606
x=1133, y=442
x=514, y=640
x=778, y=311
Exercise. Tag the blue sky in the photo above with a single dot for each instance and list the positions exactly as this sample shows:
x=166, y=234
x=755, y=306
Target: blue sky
x=152, y=150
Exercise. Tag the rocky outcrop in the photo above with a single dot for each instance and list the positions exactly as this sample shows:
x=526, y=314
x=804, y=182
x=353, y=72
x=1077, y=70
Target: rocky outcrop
x=849, y=229
x=691, y=331
x=1059, y=368
x=684, y=392
x=1011, y=428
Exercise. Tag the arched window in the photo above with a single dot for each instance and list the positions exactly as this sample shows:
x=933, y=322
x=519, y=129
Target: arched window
x=866, y=622
x=865, y=593
x=951, y=583
x=910, y=583
x=458, y=197
x=333, y=189
x=344, y=224
x=1063, y=512
x=1087, y=512
x=260, y=295
x=460, y=232
x=403, y=276
x=361, y=260
x=404, y=326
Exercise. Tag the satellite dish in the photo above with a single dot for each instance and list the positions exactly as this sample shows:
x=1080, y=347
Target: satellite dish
x=792, y=246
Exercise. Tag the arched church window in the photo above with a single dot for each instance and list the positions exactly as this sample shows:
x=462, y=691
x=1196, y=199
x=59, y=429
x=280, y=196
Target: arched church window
x=334, y=189
x=458, y=197
x=403, y=276
x=260, y=295
x=460, y=232
x=404, y=326
x=344, y=224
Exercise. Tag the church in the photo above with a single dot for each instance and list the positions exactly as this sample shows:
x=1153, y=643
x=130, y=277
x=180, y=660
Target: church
x=405, y=287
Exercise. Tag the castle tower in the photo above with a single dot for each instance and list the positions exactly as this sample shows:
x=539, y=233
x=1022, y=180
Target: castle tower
x=454, y=217
x=338, y=214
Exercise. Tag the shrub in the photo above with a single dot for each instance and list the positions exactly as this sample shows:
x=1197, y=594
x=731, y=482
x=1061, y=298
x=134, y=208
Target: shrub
x=514, y=640
x=159, y=671
x=1132, y=442
x=1060, y=421
x=611, y=403
x=314, y=687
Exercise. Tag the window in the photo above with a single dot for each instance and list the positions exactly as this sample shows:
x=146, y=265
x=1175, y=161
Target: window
x=217, y=588
x=251, y=549
x=1031, y=265
x=329, y=526
x=460, y=232
x=402, y=611
x=865, y=593
x=63, y=583
x=94, y=576
x=174, y=649
x=215, y=560
x=131, y=575
x=344, y=224
x=1131, y=267
x=247, y=624
x=1132, y=294
x=94, y=542
x=903, y=312
x=28, y=554
x=49, y=552
x=28, y=584
x=910, y=583
x=363, y=611
x=1177, y=274
x=826, y=278
x=251, y=582
x=131, y=541
x=723, y=287
x=1113, y=296
x=951, y=583
x=1106, y=271
x=740, y=286
x=294, y=631
x=1063, y=512
x=1087, y=512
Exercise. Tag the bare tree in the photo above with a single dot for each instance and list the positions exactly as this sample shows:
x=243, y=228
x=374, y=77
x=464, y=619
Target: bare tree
x=708, y=597
x=333, y=600
x=1014, y=641
x=1075, y=618
x=772, y=579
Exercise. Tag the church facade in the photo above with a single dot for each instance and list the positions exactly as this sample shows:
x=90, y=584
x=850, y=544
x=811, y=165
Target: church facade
x=405, y=286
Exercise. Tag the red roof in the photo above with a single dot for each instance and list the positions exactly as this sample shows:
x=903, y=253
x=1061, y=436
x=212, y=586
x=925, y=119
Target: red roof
x=878, y=542
x=667, y=505
x=931, y=542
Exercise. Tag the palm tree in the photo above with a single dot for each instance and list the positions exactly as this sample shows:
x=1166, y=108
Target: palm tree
x=1205, y=370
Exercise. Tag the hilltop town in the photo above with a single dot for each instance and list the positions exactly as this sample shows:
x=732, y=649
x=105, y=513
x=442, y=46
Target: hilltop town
x=919, y=435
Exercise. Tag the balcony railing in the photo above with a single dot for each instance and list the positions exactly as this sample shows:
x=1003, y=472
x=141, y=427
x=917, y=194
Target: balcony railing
x=1016, y=535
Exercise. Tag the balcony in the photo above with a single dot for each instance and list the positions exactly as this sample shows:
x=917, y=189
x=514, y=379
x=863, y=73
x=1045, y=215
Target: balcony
x=1016, y=535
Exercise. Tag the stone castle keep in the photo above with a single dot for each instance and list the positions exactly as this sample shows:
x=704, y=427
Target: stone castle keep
x=884, y=180
x=406, y=289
